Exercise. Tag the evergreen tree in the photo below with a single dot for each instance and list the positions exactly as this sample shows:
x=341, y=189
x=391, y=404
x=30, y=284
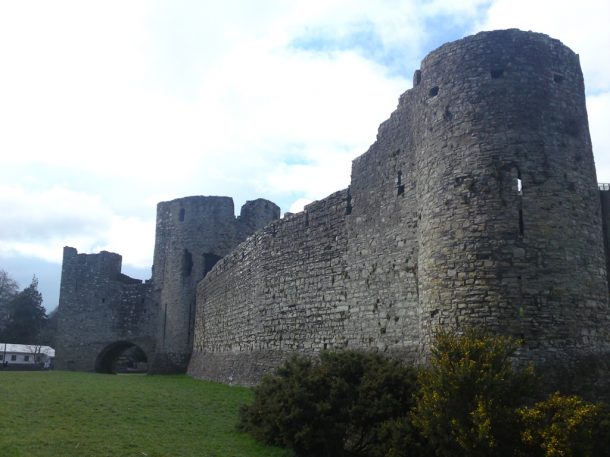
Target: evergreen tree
x=25, y=316
x=8, y=290
x=8, y=287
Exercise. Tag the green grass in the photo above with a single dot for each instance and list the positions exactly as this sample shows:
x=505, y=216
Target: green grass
x=64, y=414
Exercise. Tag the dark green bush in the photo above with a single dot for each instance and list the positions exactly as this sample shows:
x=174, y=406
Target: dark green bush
x=601, y=432
x=347, y=403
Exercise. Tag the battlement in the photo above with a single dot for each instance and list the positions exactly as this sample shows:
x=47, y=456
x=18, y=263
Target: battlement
x=104, y=264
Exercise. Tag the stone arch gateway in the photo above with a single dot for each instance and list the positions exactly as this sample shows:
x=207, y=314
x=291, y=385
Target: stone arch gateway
x=106, y=360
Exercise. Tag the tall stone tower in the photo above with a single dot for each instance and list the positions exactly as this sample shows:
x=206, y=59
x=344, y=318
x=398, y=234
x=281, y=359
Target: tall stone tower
x=507, y=200
x=192, y=234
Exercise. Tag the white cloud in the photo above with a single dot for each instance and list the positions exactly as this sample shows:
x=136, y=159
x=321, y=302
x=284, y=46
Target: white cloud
x=598, y=107
x=299, y=205
x=133, y=236
x=35, y=215
x=38, y=223
x=110, y=107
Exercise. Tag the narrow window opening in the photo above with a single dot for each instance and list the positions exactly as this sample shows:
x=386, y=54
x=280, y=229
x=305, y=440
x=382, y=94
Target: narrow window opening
x=519, y=188
x=400, y=187
x=187, y=263
x=497, y=73
x=348, y=206
x=557, y=78
x=433, y=92
x=521, y=221
x=190, y=335
x=181, y=215
x=164, y=322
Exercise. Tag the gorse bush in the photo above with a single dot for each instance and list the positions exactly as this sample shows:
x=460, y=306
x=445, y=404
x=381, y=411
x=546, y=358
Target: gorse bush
x=345, y=404
x=564, y=426
x=470, y=401
x=468, y=396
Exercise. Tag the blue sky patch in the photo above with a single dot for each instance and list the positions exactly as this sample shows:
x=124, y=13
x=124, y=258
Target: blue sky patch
x=362, y=38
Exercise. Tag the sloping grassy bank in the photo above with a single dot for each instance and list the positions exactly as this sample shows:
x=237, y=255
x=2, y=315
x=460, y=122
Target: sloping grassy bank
x=81, y=414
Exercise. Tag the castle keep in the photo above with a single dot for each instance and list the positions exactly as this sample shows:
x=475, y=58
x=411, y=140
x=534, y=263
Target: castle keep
x=477, y=205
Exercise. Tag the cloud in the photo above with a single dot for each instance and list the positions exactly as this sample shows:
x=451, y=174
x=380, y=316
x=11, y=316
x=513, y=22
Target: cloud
x=38, y=223
x=33, y=216
x=108, y=108
x=598, y=107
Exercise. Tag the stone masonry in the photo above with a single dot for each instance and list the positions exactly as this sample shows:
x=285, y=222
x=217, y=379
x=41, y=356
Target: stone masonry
x=103, y=312
x=477, y=205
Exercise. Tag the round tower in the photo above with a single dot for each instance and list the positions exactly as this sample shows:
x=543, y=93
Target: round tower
x=192, y=234
x=508, y=207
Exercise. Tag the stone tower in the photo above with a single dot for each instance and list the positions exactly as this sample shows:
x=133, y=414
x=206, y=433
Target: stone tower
x=101, y=312
x=476, y=206
x=507, y=200
x=192, y=234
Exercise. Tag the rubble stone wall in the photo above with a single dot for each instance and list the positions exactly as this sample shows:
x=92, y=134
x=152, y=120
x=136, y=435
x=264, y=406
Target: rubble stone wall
x=476, y=206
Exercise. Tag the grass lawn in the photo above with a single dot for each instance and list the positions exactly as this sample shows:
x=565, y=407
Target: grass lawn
x=65, y=414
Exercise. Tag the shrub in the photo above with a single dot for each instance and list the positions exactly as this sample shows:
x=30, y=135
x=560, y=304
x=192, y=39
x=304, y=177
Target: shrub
x=560, y=426
x=601, y=432
x=468, y=396
x=345, y=404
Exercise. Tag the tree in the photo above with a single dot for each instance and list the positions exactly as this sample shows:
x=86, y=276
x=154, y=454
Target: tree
x=25, y=316
x=8, y=287
x=8, y=290
x=468, y=398
x=35, y=350
x=48, y=333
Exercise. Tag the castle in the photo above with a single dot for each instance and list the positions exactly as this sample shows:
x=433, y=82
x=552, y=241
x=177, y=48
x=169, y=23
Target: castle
x=477, y=205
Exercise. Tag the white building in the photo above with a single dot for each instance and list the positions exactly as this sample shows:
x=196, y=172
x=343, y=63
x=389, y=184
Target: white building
x=26, y=355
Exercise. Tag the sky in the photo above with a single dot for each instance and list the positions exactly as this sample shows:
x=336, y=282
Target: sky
x=109, y=107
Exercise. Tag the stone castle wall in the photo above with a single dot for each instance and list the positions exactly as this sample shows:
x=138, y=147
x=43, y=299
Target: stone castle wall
x=476, y=206
x=102, y=312
x=280, y=292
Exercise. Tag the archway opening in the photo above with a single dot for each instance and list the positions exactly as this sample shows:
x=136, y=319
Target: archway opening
x=122, y=357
